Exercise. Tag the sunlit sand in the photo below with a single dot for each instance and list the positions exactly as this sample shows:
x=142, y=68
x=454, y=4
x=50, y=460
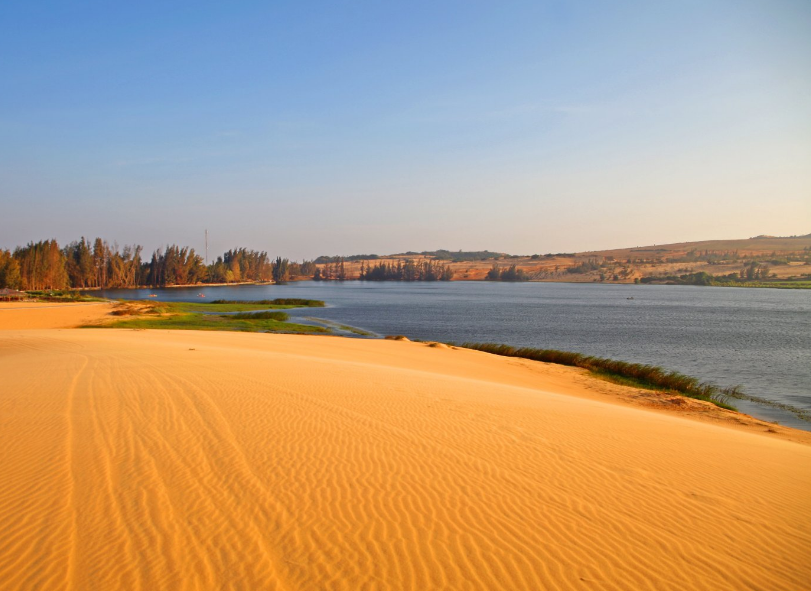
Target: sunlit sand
x=148, y=460
x=35, y=315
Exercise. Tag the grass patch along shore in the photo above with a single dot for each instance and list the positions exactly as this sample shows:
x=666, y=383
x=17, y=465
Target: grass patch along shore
x=194, y=316
x=639, y=375
x=277, y=303
x=62, y=296
x=241, y=305
x=280, y=316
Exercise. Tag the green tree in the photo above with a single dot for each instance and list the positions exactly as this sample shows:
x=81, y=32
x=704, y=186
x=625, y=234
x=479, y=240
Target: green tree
x=9, y=271
x=281, y=272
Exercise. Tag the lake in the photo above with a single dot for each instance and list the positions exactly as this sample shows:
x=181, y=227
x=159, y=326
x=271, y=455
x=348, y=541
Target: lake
x=758, y=338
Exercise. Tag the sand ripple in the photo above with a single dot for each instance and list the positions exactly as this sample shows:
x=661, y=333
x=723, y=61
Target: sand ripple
x=148, y=460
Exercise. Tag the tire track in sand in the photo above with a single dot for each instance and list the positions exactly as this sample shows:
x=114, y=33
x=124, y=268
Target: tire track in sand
x=47, y=414
x=239, y=466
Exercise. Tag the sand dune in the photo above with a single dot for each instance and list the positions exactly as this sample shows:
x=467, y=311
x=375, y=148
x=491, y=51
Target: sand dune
x=147, y=460
x=37, y=315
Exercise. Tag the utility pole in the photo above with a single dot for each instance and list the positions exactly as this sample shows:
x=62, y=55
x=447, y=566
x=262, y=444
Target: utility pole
x=206, y=247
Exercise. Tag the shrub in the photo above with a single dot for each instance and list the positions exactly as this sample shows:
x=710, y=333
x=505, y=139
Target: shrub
x=280, y=316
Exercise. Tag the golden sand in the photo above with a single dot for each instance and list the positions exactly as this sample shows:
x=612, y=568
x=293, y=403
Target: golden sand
x=150, y=460
x=37, y=315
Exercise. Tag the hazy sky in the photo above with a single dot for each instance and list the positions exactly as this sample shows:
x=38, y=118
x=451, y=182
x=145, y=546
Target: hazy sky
x=306, y=128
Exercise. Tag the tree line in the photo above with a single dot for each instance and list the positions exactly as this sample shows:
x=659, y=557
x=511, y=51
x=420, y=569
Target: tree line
x=82, y=264
x=333, y=270
x=408, y=270
x=753, y=271
x=511, y=273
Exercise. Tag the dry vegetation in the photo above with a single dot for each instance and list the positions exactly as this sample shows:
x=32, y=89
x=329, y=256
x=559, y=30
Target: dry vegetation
x=785, y=259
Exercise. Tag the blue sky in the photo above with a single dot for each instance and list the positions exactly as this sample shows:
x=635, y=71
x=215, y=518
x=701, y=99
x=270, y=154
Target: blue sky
x=307, y=128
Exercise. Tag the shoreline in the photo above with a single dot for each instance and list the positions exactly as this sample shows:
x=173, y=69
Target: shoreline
x=805, y=284
x=107, y=316
x=76, y=316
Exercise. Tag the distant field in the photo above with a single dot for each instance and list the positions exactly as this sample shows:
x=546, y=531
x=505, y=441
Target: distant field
x=787, y=258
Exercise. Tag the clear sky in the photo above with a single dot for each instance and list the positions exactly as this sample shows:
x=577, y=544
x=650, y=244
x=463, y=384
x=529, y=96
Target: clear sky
x=306, y=128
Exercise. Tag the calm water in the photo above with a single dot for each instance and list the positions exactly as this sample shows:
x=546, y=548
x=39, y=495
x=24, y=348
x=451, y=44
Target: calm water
x=759, y=338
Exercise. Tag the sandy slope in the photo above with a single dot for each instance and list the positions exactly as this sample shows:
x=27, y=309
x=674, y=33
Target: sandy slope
x=36, y=315
x=148, y=460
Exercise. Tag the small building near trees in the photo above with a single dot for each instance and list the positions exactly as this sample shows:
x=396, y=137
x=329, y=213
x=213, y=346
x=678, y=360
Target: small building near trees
x=12, y=295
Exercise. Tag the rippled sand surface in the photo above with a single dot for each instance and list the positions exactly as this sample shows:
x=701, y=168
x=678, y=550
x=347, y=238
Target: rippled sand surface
x=147, y=460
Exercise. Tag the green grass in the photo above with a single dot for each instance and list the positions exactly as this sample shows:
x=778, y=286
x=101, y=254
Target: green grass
x=280, y=316
x=649, y=377
x=184, y=316
x=213, y=322
x=56, y=295
x=237, y=306
x=765, y=284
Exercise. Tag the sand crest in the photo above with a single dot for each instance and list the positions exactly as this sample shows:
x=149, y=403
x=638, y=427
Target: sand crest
x=147, y=460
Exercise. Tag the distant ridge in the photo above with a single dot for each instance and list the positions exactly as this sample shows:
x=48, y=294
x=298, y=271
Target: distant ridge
x=447, y=255
x=775, y=258
x=740, y=244
x=786, y=237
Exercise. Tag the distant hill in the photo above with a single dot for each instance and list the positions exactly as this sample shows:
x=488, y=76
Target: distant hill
x=783, y=258
x=757, y=246
x=744, y=247
x=323, y=259
x=441, y=254
x=457, y=255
